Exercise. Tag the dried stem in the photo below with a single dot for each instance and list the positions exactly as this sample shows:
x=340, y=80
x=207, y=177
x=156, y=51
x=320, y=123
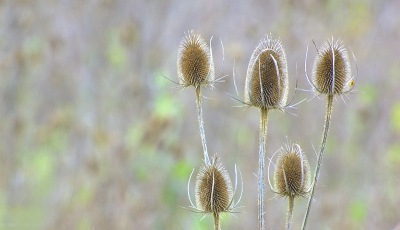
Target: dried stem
x=201, y=126
x=329, y=107
x=263, y=145
x=290, y=212
x=216, y=221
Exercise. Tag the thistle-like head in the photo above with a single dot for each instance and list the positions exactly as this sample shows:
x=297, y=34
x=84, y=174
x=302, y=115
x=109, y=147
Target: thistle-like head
x=292, y=172
x=213, y=188
x=331, y=73
x=213, y=191
x=195, y=62
x=267, y=76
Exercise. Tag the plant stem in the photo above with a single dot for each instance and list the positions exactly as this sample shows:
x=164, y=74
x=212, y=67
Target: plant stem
x=290, y=212
x=216, y=221
x=263, y=145
x=329, y=107
x=200, y=118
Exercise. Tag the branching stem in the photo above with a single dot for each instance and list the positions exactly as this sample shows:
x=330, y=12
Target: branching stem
x=329, y=107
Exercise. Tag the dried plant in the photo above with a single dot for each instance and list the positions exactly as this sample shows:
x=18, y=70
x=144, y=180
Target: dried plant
x=214, y=192
x=291, y=177
x=196, y=68
x=267, y=77
x=331, y=76
x=195, y=62
x=266, y=88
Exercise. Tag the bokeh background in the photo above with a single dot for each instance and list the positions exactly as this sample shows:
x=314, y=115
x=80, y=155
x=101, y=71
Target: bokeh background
x=93, y=137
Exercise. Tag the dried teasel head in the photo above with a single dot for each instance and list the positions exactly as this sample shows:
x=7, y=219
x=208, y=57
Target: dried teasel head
x=213, y=188
x=195, y=61
x=267, y=76
x=331, y=73
x=213, y=191
x=292, y=172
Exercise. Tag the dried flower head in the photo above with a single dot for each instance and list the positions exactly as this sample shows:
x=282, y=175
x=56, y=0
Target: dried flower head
x=213, y=191
x=195, y=61
x=331, y=73
x=213, y=188
x=267, y=77
x=292, y=172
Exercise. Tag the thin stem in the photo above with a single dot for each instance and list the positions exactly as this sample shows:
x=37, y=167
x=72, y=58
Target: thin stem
x=263, y=145
x=290, y=212
x=329, y=107
x=216, y=221
x=200, y=118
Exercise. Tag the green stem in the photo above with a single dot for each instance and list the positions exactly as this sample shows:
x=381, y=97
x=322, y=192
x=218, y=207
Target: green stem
x=329, y=107
x=201, y=126
x=290, y=212
x=263, y=145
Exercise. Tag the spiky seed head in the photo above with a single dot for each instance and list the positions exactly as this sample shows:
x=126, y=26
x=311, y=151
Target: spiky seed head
x=195, y=62
x=267, y=77
x=213, y=188
x=292, y=172
x=331, y=71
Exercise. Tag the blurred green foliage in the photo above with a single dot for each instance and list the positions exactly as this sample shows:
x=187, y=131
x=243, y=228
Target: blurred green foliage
x=393, y=156
x=395, y=117
x=367, y=95
x=358, y=211
x=116, y=53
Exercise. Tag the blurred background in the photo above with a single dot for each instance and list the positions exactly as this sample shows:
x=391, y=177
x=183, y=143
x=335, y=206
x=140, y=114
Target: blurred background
x=93, y=137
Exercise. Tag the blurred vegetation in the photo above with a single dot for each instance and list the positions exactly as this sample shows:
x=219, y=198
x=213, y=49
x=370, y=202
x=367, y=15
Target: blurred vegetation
x=93, y=137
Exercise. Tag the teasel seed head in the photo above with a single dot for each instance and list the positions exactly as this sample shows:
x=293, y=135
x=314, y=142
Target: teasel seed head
x=292, y=173
x=267, y=76
x=195, y=61
x=213, y=190
x=331, y=73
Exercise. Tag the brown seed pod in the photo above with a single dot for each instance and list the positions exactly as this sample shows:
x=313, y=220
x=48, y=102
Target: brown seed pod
x=213, y=188
x=195, y=62
x=292, y=172
x=331, y=71
x=267, y=77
